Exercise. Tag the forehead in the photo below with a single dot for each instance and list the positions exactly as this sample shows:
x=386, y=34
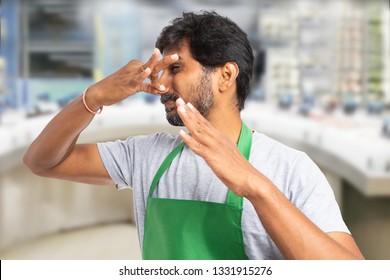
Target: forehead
x=181, y=48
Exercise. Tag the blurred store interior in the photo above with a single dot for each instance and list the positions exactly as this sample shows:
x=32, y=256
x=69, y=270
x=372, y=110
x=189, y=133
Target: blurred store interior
x=321, y=85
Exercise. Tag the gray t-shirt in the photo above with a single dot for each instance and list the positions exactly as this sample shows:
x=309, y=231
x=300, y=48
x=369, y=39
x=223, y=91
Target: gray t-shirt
x=132, y=163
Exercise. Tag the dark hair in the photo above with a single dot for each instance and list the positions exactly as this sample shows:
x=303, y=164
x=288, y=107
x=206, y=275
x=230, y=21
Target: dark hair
x=213, y=40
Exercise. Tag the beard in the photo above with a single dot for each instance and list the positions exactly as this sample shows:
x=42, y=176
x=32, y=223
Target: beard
x=203, y=100
x=171, y=114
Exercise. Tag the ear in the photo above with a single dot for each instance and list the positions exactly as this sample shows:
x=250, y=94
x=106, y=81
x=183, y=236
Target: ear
x=228, y=76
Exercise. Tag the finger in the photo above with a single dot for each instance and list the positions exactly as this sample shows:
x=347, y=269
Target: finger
x=200, y=119
x=161, y=64
x=146, y=87
x=195, y=122
x=195, y=111
x=192, y=143
x=165, y=62
x=154, y=81
x=139, y=78
x=151, y=63
x=146, y=72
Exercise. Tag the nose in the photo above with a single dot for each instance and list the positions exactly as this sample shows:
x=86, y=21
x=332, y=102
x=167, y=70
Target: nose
x=166, y=80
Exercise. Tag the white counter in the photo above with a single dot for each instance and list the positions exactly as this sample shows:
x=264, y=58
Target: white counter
x=350, y=147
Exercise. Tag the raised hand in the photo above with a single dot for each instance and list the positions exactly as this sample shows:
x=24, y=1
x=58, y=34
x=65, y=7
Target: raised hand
x=129, y=80
x=219, y=152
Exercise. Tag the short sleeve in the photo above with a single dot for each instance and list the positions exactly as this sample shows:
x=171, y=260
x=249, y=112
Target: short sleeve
x=116, y=157
x=128, y=161
x=311, y=193
x=120, y=156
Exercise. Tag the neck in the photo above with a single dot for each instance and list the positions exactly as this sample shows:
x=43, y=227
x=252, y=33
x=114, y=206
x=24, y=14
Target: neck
x=228, y=123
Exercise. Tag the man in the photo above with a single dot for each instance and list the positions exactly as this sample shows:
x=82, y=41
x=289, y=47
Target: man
x=225, y=192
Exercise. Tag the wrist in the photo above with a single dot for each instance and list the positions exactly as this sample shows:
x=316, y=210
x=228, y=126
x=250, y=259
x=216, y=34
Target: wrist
x=258, y=184
x=91, y=100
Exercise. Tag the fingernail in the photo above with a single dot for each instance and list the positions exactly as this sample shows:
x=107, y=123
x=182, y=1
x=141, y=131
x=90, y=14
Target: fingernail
x=162, y=87
x=156, y=51
x=181, y=101
x=174, y=56
x=182, y=109
x=182, y=132
x=190, y=105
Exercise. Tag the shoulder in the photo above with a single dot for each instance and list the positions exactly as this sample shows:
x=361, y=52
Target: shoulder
x=276, y=152
x=269, y=148
x=156, y=139
x=160, y=140
x=288, y=168
x=140, y=144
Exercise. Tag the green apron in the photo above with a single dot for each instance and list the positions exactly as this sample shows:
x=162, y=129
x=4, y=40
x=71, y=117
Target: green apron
x=194, y=230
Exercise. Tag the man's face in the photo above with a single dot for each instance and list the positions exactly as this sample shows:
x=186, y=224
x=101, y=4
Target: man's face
x=187, y=79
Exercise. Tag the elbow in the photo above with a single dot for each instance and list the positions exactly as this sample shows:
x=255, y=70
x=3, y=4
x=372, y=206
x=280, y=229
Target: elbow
x=31, y=163
x=27, y=161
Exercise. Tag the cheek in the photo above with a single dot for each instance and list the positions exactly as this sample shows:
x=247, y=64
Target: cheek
x=186, y=85
x=182, y=85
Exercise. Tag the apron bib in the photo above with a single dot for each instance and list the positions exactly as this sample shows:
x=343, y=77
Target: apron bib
x=194, y=230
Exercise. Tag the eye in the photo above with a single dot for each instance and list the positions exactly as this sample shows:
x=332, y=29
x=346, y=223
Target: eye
x=175, y=68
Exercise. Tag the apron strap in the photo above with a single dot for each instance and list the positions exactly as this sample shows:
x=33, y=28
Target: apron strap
x=164, y=166
x=244, y=145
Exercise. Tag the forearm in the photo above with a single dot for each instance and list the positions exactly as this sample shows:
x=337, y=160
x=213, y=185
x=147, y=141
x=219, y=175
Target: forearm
x=293, y=233
x=59, y=136
x=57, y=140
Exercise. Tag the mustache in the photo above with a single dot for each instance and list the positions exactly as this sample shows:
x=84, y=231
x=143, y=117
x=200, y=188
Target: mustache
x=168, y=97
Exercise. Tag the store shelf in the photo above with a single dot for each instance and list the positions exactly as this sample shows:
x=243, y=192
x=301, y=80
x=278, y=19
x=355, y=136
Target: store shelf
x=52, y=33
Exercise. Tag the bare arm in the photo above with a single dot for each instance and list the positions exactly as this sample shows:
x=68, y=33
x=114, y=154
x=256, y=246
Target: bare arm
x=55, y=152
x=293, y=233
